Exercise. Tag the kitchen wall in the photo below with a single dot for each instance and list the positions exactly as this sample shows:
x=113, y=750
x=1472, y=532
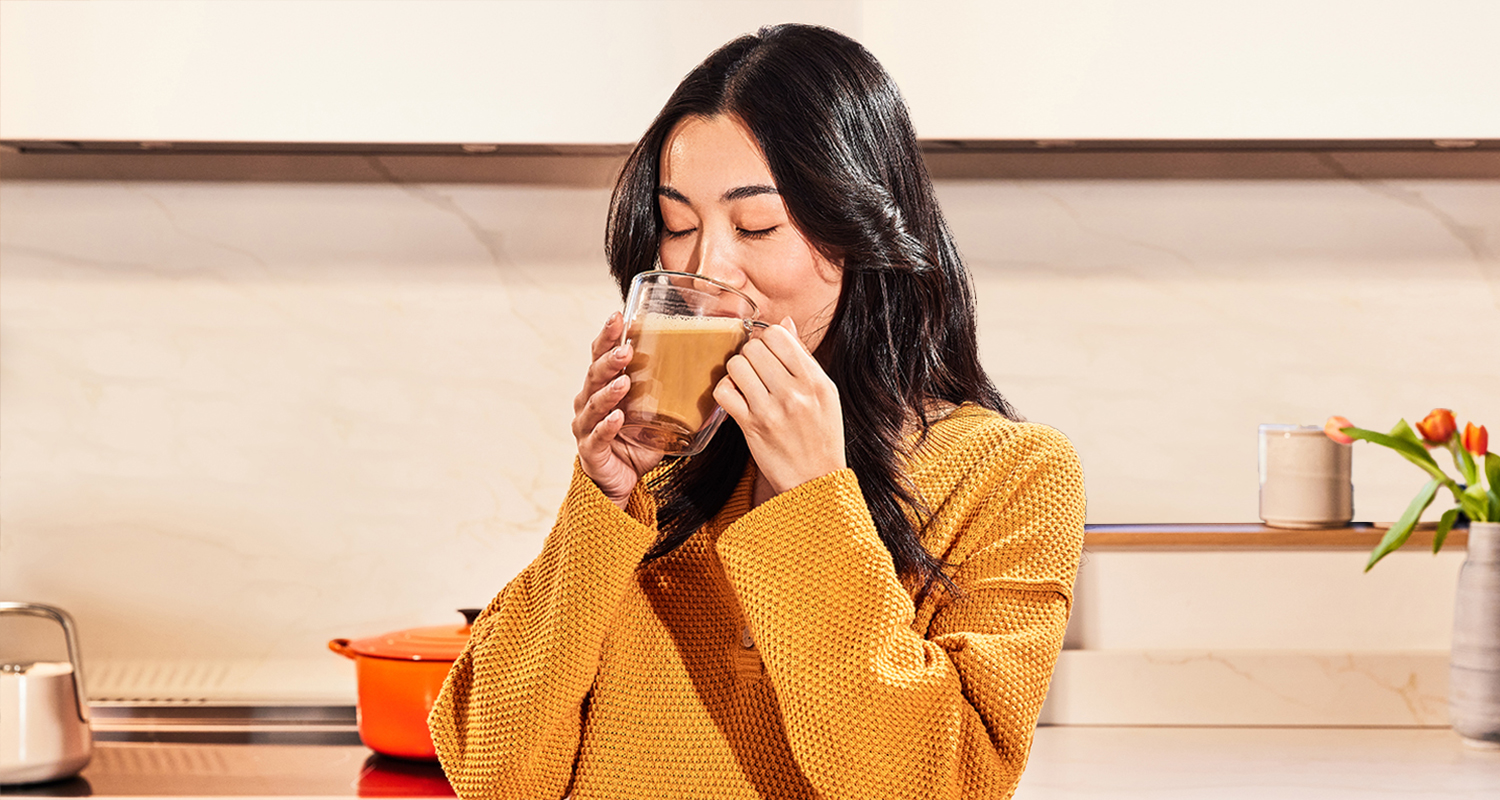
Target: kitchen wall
x=251, y=403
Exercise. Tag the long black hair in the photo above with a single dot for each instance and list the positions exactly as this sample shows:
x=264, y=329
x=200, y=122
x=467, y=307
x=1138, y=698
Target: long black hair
x=841, y=148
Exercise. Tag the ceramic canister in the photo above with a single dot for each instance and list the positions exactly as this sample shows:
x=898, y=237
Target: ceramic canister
x=1304, y=478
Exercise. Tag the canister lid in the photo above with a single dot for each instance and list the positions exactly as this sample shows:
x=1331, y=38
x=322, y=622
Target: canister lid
x=436, y=643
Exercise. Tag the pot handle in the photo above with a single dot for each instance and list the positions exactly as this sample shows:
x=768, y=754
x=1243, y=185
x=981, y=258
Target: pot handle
x=341, y=646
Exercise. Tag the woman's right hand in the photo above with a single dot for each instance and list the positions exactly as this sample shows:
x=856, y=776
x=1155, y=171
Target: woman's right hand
x=615, y=466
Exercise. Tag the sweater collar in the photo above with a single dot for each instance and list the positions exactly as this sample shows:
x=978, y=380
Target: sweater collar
x=943, y=435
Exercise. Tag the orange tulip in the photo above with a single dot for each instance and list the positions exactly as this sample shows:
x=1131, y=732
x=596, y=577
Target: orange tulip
x=1331, y=428
x=1476, y=439
x=1438, y=427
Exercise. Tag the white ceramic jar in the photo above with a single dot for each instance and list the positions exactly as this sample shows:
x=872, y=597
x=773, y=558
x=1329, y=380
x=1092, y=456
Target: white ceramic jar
x=1304, y=478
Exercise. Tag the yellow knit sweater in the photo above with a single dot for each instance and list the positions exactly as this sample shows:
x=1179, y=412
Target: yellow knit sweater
x=776, y=653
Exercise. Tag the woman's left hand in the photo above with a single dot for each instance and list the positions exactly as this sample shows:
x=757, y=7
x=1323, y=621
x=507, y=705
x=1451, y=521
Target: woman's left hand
x=787, y=406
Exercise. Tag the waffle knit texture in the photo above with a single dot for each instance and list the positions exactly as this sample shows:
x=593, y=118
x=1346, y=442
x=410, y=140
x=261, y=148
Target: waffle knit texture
x=776, y=653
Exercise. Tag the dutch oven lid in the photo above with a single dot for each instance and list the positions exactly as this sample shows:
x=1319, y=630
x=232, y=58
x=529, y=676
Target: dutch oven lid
x=437, y=643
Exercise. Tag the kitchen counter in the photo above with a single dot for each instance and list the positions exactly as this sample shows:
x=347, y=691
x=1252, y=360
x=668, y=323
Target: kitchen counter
x=1066, y=763
x=156, y=769
x=1230, y=763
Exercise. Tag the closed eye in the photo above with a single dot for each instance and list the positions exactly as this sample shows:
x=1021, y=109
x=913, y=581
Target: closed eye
x=671, y=234
x=758, y=234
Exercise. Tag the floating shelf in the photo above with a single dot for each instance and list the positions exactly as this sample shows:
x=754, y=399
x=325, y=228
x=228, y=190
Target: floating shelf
x=1254, y=536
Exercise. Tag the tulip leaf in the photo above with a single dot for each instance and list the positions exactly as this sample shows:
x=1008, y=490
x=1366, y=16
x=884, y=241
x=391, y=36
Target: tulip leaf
x=1475, y=504
x=1403, y=431
x=1401, y=529
x=1492, y=470
x=1445, y=524
x=1463, y=461
x=1407, y=446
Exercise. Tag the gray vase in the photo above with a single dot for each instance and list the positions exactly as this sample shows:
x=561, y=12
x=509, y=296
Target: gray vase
x=1474, y=666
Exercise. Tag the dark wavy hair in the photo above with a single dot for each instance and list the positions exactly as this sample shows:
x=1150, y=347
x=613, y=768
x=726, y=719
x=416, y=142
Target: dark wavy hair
x=840, y=145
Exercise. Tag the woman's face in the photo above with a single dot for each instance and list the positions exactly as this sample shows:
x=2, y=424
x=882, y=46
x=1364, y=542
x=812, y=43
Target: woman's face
x=725, y=219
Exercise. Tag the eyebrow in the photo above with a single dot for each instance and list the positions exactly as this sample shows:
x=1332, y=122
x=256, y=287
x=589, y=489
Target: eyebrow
x=737, y=193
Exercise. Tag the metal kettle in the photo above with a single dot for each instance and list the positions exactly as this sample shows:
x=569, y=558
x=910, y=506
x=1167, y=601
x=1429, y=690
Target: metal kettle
x=44, y=716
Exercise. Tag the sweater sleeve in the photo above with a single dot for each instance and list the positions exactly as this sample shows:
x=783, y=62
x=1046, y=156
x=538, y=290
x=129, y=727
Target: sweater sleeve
x=945, y=714
x=508, y=720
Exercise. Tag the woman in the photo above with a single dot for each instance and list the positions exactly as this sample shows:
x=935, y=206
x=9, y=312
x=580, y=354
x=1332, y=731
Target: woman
x=860, y=588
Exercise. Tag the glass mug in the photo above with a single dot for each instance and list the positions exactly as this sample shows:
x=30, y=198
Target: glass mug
x=683, y=329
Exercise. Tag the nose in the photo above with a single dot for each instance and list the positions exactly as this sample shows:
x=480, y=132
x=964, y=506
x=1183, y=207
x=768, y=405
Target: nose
x=713, y=257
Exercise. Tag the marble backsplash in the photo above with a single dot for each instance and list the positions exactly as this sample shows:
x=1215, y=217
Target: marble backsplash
x=242, y=417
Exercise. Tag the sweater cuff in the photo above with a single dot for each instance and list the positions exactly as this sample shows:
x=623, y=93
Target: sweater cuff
x=586, y=501
x=833, y=502
x=821, y=532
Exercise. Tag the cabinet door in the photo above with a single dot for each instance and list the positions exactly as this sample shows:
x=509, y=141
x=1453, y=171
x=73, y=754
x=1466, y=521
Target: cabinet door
x=595, y=71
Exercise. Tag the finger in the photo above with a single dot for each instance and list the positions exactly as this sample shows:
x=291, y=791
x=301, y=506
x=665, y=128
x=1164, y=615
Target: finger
x=746, y=380
x=609, y=336
x=769, y=369
x=599, y=405
x=594, y=448
x=784, y=345
x=604, y=369
x=788, y=346
x=607, y=340
x=728, y=396
x=611, y=363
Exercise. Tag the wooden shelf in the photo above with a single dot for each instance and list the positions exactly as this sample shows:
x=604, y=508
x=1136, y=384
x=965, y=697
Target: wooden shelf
x=1256, y=536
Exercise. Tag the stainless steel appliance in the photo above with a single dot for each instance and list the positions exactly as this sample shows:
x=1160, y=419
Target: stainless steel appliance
x=44, y=714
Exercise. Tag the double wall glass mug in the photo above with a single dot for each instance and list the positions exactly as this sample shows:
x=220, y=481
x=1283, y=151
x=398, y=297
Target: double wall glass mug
x=684, y=328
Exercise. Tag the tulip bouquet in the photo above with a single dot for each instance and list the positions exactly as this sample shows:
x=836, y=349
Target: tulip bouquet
x=1475, y=464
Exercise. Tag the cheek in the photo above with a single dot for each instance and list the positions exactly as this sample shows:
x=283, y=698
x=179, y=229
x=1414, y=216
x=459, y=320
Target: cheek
x=673, y=255
x=801, y=281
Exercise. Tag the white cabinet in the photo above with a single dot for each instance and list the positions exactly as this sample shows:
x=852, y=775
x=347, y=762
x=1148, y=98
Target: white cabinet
x=595, y=71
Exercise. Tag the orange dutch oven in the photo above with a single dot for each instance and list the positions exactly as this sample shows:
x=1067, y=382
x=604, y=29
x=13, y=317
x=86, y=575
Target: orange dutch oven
x=400, y=675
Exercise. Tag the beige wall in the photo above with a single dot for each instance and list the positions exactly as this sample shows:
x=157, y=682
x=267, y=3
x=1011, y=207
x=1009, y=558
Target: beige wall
x=241, y=417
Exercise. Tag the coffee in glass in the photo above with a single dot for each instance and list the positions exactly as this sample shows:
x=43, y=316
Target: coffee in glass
x=683, y=328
